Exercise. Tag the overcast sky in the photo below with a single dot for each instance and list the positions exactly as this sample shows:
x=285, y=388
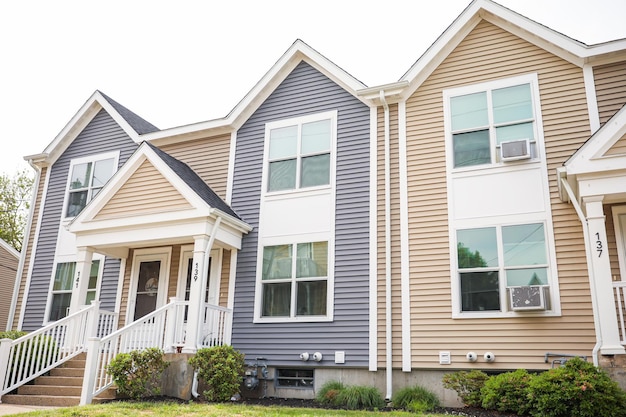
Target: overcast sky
x=180, y=62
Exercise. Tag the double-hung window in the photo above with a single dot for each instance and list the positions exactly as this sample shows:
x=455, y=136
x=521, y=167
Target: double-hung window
x=87, y=177
x=294, y=280
x=492, y=259
x=482, y=118
x=299, y=153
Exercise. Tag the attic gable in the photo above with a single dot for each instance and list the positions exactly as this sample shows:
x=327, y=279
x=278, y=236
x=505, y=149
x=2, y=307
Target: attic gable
x=132, y=124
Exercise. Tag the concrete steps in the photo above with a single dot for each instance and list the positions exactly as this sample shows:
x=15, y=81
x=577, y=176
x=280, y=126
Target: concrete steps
x=61, y=388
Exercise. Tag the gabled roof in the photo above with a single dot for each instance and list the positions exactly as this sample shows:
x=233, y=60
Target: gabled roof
x=132, y=124
x=591, y=157
x=10, y=249
x=298, y=52
x=550, y=40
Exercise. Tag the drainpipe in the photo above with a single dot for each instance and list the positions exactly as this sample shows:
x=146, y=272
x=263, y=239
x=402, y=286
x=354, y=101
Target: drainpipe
x=388, y=321
x=596, y=315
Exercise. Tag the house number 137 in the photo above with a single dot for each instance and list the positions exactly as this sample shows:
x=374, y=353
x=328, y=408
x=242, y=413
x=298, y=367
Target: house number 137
x=599, y=246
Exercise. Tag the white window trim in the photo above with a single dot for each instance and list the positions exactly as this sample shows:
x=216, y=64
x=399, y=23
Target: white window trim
x=332, y=115
x=82, y=160
x=164, y=255
x=554, y=298
x=531, y=79
x=330, y=282
x=59, y=260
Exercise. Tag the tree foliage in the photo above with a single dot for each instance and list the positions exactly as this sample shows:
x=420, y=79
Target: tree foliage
x=15, y=194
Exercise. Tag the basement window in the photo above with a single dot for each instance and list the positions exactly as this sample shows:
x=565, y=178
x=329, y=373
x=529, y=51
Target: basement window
x=294, y=378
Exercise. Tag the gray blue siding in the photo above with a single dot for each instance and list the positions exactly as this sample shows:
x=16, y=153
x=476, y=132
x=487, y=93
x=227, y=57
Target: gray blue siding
x=307, y=91
x=101, y=135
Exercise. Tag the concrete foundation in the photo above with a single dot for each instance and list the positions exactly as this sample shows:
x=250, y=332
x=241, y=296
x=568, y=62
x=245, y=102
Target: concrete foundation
x=177, y=378
x=615, y=366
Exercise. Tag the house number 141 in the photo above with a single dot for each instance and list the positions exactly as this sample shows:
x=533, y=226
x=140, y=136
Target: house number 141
x=599, y=245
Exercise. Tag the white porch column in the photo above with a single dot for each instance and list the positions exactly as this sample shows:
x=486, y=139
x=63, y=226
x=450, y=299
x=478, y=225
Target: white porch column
x=196, y=292
x=600, y=278
x=81, y=278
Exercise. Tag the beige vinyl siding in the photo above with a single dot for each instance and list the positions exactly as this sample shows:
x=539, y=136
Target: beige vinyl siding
x=619, y=148
x=145, y=192
x=208, y=157
x=8, y=272
x=224, y=279
x=486, y=54
x=395, y=239
x=125, y=289
x=610, y=81
x=36, y=210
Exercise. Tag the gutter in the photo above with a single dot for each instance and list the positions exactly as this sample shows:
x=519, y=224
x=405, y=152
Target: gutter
x=596, y=317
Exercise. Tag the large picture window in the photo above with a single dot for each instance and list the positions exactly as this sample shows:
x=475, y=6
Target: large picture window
x=299, y=153
x=481, y=118
x=294, y=280
x=491, y=259
x=87, y=177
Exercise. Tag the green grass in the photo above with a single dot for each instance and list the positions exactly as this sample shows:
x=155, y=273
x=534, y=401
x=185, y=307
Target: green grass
x=148, y=409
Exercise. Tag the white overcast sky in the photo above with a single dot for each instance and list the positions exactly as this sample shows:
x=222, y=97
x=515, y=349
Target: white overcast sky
x=186, y=61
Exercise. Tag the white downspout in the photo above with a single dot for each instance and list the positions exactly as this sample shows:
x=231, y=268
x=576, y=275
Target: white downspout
x=388, y=321
x=596, y=314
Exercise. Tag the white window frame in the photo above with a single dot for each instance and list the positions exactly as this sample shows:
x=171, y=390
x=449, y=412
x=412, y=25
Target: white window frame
x=299, y=121
x=51, y=292
x=553, y=305
x=330, y=289
x=536, y=145
x=83, y=160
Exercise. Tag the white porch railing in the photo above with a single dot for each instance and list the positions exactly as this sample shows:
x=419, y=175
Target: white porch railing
x=164, y=328
x=619, y=287
x=32, y=355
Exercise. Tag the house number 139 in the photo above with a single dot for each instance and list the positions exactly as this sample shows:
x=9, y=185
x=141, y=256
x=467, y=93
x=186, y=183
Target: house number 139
x=195, y=272
x=599, y=245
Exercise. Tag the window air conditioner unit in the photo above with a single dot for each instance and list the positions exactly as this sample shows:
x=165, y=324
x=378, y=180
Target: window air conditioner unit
x=515, y=150
x=529, y=297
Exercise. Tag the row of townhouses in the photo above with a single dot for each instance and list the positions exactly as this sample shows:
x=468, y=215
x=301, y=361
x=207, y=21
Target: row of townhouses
x=471, y=215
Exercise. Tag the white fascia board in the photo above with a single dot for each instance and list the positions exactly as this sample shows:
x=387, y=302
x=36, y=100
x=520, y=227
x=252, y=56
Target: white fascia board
x=79, y=121
x=610, y=185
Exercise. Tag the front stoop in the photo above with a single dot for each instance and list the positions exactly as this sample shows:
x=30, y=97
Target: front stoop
x=61, y=388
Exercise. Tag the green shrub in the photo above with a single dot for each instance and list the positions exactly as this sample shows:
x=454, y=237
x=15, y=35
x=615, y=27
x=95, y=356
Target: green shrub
x=329, y=393
x=415, y=399
x=467, y=385
x=577, y=389
x=507, y=392
x=137, y=374
x=221, y=369
x=12, y=334
x=359, y=397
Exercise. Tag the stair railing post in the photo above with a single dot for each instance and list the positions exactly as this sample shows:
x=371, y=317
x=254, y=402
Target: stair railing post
x=93, y=320
x=5, y=357
x=91, y=369
x=171, y=321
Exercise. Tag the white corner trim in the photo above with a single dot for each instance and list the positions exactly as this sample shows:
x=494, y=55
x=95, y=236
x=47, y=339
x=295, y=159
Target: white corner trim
x=405, y=282
x=592, y=102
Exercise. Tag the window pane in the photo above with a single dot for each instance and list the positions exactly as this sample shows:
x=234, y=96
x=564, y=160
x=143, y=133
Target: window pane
x=524, y=244
x=469, y=111
x=60, y=304
x=283, y=142
x=80, y=176
x=276, y=299
x=316, y=137
x=277, y=262
x=76, y=203
x=93, y=274
x=311, y=298
x=64, y=277
x=471, y=148
x=477, y=248
x=91, y=295
x=480, y=291
x=513, y=132
x=512, y=103
x=282, y=175
x=530, y=276
x=315, y=170
x=102, y=172
x=312, y=260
